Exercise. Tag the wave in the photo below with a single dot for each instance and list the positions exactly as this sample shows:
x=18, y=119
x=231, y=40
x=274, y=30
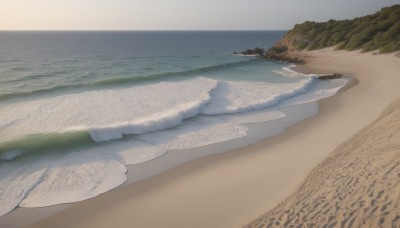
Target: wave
x=234, y=97
x=289, y=72
x=117, y=81
x=20, y=69
x=158, y=77
x=81, y=135
x=39, y=144
x=6, y=96
x=85, y=173
x=169, y=119
x=91, y=165
x=29, y=77
x=10, y=60
x=101, y=116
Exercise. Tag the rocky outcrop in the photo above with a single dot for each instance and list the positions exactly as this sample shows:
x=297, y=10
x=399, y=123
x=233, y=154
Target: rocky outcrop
x=285, y=50
x=279, y=52
x=255, y=51
x=283, y=53
x=329, y=76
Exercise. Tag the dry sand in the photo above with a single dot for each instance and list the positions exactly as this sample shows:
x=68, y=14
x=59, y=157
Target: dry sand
x=231, y=189
x=358, y=185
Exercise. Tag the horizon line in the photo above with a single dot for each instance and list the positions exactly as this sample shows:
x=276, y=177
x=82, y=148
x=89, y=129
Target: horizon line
x=139, y=30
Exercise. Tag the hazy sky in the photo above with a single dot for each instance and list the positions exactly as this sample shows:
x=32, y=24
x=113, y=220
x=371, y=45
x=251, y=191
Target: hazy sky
x=176, y=14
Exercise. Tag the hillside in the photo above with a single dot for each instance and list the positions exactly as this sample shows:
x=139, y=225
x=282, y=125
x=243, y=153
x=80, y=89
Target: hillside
x=379, y=31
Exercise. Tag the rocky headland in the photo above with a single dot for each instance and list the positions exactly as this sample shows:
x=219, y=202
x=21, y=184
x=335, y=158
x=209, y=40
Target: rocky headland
x=379, y=32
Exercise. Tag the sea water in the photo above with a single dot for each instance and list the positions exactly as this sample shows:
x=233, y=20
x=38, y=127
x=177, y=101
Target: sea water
x=77, y=107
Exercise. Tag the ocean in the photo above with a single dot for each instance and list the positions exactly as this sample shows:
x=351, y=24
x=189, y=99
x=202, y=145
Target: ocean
x=77, y=107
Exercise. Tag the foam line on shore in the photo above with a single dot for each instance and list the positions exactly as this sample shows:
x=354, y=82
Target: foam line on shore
x=93, y=168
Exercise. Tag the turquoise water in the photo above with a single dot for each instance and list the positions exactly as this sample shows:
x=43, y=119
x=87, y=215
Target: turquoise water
x=77, y=107
x=38, y=66
x=40, y=62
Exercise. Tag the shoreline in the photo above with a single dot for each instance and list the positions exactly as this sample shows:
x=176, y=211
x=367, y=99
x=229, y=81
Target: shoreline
x=175, y=158
x=356, y=185
x=242, y=193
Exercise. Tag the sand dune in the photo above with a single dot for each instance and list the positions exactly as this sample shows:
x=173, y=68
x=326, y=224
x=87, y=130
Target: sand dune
x=357, y=185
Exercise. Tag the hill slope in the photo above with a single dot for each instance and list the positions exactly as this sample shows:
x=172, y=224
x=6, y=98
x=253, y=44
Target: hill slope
x=379, y=31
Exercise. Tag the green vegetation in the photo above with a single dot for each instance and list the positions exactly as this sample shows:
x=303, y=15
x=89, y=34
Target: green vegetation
x=380, y=31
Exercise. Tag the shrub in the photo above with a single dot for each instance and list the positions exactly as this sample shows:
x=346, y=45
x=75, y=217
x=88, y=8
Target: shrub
x=377, y=31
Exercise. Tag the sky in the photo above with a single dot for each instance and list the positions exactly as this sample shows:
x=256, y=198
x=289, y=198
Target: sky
x=177, y=14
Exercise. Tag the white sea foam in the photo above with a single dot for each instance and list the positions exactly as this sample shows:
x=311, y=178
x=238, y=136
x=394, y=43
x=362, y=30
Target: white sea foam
x=201, y=131
x=10, y=155
x=17, y=181
x=74, y=180
x=254, y=116
x=77, y=176
x=318, y=91
x=160, y=121
x=160, y=117
x=108, y=114
x=234, y=97
x=289, y=72
x=131, y=153
x=111, y=114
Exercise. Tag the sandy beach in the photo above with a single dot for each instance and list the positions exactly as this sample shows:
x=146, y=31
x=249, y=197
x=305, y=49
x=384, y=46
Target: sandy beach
x=234, y=188
x=356, y=186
